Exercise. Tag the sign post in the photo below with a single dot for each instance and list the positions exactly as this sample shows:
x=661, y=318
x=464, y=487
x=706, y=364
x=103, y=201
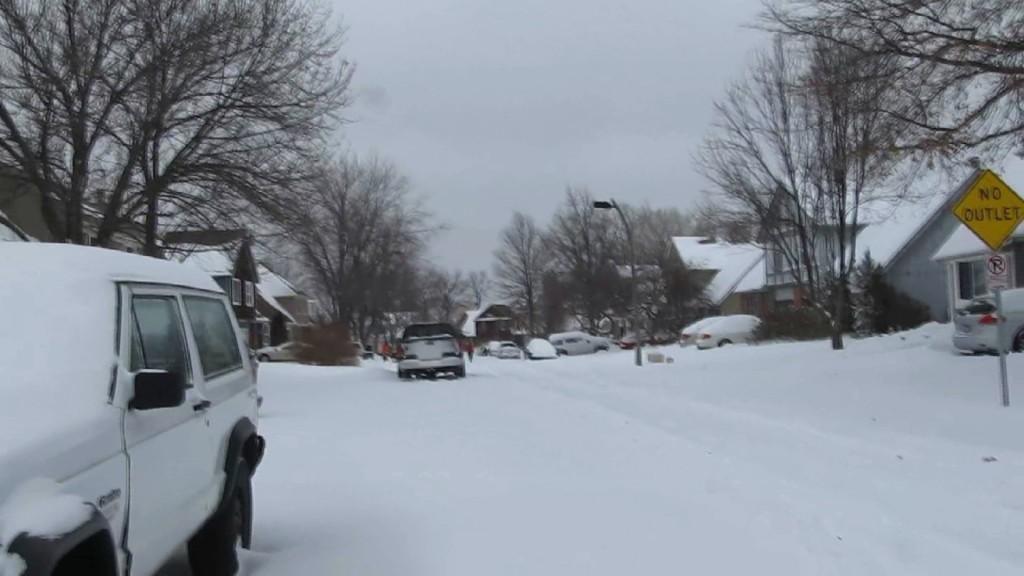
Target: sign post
x=992, y=210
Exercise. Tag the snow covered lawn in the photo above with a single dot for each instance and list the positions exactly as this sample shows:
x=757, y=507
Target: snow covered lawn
x=893, y=457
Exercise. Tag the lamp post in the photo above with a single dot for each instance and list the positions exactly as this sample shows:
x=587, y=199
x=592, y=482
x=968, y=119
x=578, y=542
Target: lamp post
x=611, y=204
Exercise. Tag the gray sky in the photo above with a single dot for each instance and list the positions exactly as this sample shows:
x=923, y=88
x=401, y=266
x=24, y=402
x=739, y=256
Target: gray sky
x=492, y=106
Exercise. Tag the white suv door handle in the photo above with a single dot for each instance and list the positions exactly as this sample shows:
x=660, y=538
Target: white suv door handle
x=202, y=405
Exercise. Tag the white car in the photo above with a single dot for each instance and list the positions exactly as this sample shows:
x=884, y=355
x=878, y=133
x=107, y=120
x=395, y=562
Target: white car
x=430, y=350
x=540, y=349
x=689, y=334
x=736, y=329
x=574, y=343
x=286, y=352
x=507, y=351
x=133, y=430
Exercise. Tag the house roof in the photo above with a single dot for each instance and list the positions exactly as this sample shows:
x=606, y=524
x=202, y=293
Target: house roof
x=964, y=244
x=469, y=324
x=213, y=262
x=731, y=262
x=754, y=279
x=272, y=302
x=275, y=285
x=891, y=226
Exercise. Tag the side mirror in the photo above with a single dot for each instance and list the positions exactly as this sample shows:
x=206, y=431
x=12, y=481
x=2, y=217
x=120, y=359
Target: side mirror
x=157, y=389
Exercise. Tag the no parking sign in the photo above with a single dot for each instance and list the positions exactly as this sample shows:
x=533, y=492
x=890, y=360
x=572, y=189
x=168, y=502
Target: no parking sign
x=998, y=272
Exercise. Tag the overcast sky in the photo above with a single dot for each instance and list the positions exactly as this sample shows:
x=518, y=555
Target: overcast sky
x=492, y=106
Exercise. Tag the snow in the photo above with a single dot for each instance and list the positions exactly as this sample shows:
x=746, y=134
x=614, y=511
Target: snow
x=272, y=301
x=754, y=280
x=213, y=262
x=37, y=508
x=274, y=285
x=892, y=457
x=732, y=261
x=469, y=326
x=59, y=313
x=694, y=328
x=541, y=349
x=964, y=244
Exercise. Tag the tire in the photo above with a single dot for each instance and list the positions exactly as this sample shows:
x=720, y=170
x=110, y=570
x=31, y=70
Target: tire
x=1018, y=342
x=213, y=551
x=724, y=342
x=263, y=358
x=460, y=372
x=403, y=375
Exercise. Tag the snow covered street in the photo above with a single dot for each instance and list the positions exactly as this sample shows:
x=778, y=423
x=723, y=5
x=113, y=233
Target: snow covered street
x=893, y=457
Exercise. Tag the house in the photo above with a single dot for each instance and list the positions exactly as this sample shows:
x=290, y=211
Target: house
x=901, y=236
x=733, y=274
x=489, y=322
x=22, y=204
x=286, y=307
x=227, y=257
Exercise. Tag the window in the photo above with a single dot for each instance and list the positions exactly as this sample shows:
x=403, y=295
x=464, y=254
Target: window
x=236, y=291
x=215, y=335
x=158, y=342
x=250, y=294
x=971, y=279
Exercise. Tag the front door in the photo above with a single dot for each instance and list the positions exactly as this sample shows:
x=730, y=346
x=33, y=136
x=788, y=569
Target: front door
x=169, y=450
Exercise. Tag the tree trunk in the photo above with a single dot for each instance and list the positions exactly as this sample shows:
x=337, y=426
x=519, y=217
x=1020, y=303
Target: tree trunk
x=838, y=315
x=152, y=222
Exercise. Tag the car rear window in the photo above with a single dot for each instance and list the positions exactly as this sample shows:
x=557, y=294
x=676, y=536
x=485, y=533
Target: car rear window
x=428, y=330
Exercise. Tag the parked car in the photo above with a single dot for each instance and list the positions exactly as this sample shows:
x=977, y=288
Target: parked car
x=507, y=351
x=133, y=431
x=735, y=329
x=541, y=349
x=574, y=343
x=287, y=352
x=688, y=335
x=976, y=326
x=430, y=350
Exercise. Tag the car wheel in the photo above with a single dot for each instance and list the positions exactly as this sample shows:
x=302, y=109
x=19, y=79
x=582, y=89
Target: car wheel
x=263, y=358
x=724, y=342
x=213, y=551
x=403, y=375
x=1018, y=342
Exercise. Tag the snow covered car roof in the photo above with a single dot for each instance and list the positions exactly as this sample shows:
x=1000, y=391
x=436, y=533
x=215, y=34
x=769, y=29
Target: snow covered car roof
x=58, y=330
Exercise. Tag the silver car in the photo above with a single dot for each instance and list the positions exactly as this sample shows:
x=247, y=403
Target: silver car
x=976, y=326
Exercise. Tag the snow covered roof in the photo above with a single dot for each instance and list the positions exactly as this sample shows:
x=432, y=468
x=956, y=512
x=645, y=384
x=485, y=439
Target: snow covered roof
x=275, y=285
x=754, y=279
x=59, y=306
x=269, y=299
x=892, y=225
x=469, y=326
x=732, y=263
x=964, y=244
x=214, y=262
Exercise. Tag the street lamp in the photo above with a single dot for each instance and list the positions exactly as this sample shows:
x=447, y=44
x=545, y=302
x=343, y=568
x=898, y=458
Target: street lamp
x=611, y=204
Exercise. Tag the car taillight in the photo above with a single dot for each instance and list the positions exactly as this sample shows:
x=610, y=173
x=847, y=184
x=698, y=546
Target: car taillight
x=989, y=320
x=705, y=336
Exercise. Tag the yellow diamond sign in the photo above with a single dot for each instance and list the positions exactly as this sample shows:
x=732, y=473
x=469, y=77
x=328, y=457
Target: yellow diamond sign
x=991, y=209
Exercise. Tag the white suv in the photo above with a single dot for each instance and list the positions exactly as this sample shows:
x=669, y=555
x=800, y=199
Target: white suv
x=128, y=409
x=429, y=350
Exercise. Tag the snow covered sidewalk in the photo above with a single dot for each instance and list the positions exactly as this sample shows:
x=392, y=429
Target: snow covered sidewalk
x=782, y=459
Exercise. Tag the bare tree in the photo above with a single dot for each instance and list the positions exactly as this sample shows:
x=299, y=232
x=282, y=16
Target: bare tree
x=128, y=111
x=520, y=266
x=360, y=234
x=584, y=244
x=479, y=286
x=444, y=293
x=799, y=147
x=960, y=62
